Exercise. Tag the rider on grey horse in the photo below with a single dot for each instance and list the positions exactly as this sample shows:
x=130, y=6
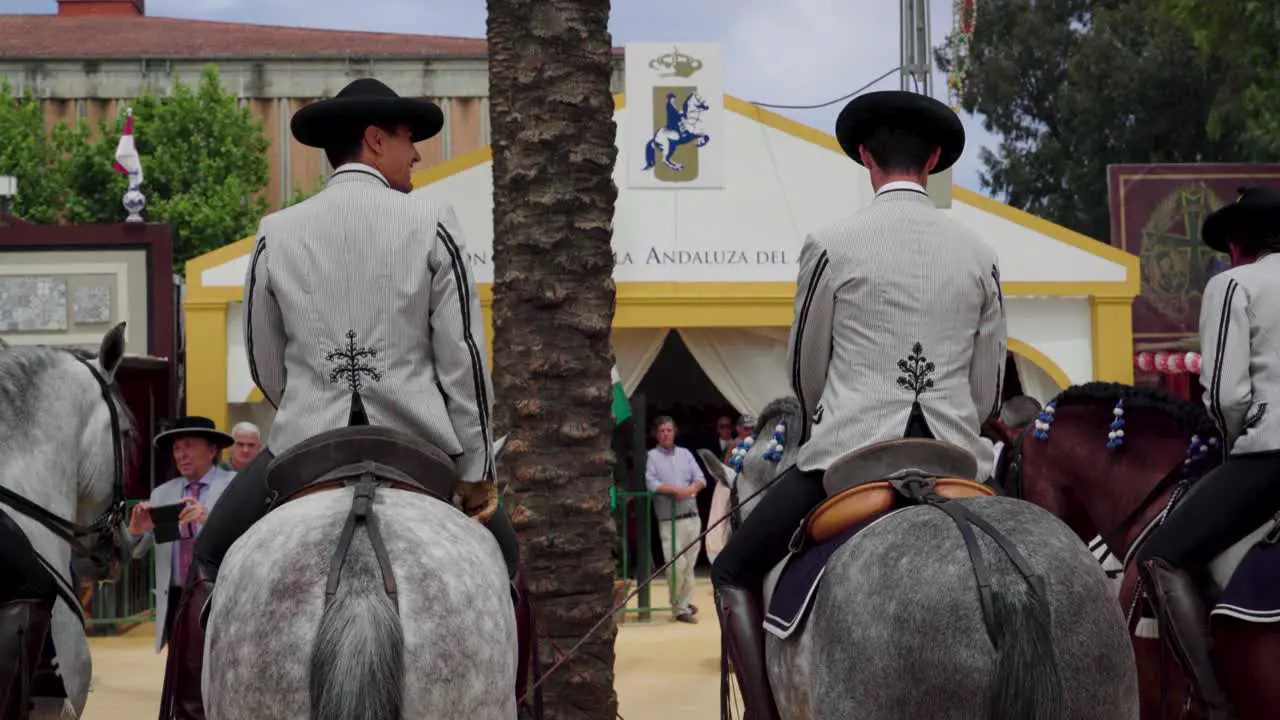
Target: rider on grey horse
x=1240, y=336
x=365, y=288
x=899, y=332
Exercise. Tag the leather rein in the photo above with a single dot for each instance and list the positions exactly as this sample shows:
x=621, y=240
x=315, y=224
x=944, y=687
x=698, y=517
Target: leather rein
x=109, y=521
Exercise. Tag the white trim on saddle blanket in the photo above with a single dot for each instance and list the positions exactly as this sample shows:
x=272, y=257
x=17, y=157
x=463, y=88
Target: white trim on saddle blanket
x=783, y=628
x=1222, y=569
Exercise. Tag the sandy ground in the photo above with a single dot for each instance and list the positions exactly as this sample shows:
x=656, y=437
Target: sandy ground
x=664, y=669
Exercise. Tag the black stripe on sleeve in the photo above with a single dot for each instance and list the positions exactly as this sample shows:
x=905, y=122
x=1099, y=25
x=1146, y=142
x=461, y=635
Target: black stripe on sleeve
x=798, y=362
x=460, y=279
x=248, y=311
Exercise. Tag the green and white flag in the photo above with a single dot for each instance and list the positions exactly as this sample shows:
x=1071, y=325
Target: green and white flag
x=621, y=406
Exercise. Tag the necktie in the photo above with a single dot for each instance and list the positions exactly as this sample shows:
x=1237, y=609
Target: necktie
x=187, y=546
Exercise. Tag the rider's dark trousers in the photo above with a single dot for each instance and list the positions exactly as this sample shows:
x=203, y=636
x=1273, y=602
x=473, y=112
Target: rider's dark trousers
x=765, y=535
x=23, y=577
x=1222, y=507
x=244, y=502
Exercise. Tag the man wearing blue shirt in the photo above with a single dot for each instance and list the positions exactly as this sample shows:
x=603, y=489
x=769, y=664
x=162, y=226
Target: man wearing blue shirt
x=673, y=474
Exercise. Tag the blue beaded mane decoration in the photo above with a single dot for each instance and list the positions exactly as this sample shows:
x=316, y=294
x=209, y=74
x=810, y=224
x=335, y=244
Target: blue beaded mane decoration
x=739, y=453
x=1045, y=421
x=772, y=451
x=1115, y=437
x=1198, y=450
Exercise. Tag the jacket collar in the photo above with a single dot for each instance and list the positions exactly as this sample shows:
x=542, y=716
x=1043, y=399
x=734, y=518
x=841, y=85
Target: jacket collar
x=356, y=172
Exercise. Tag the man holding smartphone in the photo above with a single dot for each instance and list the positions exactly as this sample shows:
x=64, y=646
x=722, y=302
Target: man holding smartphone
x=170, y=522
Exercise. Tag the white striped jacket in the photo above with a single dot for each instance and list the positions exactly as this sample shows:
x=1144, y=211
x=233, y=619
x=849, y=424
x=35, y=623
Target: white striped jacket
x=1240, y=349
x=363, y=286
x=896, y=305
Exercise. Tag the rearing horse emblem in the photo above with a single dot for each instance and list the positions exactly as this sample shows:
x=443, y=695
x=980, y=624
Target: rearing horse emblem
x=683, y=126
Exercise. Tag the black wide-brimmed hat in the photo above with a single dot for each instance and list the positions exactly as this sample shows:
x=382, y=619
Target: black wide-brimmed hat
x=932, y=120
x=194, y=426
x=1253, y=217
x=362, y=103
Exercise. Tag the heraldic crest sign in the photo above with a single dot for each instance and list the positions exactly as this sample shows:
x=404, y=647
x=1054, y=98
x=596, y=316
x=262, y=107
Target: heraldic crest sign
x=675, y=109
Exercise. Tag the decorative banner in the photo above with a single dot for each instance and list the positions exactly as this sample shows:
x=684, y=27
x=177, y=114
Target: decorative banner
x=1156, y=213
x=675, y=115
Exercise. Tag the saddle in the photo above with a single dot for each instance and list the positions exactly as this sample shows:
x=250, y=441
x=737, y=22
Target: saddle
x=874, y=480
x=336, y=458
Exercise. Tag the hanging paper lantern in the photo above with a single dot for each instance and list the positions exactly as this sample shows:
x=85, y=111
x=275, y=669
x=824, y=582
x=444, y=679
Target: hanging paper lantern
x=1145, y=361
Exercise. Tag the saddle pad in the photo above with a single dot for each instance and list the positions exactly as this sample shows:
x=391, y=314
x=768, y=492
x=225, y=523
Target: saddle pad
x=1253, y=594
x=798, y=584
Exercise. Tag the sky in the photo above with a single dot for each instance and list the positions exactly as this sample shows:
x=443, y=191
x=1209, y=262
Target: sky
x=814, y=52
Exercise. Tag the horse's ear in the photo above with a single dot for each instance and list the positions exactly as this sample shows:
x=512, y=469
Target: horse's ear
x=717, y=469
x=111, y=354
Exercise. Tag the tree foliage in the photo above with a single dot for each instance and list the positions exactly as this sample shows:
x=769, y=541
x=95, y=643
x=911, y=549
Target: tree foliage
x=1071, y=86
x=1242, y=34
x=203, y=159
x=33, y=156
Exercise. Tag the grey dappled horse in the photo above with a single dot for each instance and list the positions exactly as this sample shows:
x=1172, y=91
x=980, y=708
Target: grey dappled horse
x=896, y=631
x=57, y=448
x=271, y=646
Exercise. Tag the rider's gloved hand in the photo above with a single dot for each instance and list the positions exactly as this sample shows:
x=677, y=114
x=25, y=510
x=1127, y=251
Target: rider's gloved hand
x=479, y=499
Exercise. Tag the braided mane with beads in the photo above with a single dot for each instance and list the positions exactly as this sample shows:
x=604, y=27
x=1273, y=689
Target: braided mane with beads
x=1191, y=416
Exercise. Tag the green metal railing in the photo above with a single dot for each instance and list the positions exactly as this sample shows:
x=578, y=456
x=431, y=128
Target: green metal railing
x=643, y=501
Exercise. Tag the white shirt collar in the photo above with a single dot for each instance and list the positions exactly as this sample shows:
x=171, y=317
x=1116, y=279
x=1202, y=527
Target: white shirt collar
x=352, y=171
x=900, y=185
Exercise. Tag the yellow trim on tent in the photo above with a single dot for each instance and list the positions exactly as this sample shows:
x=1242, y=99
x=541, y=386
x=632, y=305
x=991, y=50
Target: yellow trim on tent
x=712, y=304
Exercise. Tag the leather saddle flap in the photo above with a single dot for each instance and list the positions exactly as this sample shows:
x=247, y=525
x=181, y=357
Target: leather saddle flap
x=868, y=500
x=414, y=462
x=877, y=462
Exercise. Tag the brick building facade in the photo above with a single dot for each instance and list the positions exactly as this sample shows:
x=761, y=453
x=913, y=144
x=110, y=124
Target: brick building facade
x=93, y=56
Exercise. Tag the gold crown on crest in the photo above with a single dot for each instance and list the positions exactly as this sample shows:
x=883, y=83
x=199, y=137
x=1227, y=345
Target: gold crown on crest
x=677, y=64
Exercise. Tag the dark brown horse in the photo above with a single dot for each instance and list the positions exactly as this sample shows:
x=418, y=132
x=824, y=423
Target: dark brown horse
x=1070, y=464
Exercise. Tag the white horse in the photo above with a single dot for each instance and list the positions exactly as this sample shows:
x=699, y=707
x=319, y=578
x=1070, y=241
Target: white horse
x=444, y=648
x=65, y=434
x=683, y=126
x=896, y=630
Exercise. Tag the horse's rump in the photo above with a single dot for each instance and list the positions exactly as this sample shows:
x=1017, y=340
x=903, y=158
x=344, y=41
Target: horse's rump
x=453, y=599
x=896, y=624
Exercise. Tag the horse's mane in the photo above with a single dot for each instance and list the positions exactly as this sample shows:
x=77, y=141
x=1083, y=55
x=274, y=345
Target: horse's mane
x=21, y=370
x=783, y=408
x=1188, y=415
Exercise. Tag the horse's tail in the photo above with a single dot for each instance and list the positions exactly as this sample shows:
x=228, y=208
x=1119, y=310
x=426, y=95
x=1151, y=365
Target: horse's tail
x=649, y=154
x=357, y=662
x=1025, y=684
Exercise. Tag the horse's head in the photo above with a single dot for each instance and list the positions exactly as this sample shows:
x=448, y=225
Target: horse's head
x=110, y=444
x=1099, y=449
x=66, y=423
x=773, y=449
x=694, y=101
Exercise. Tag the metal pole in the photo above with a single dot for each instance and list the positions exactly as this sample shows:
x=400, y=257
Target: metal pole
x=906, y=55
x=644, y=513
x=915, y=29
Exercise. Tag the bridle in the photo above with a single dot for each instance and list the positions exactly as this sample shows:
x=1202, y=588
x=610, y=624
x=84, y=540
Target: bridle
x=108, y=522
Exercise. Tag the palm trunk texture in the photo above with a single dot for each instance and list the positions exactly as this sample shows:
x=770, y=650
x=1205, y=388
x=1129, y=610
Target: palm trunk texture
x=551, y=114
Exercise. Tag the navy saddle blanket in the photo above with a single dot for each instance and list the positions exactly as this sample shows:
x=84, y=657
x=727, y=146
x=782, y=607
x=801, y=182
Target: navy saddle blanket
x=798, y=584
x=1253, y=593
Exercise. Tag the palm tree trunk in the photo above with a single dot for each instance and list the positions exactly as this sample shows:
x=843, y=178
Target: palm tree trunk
x=551, y=114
